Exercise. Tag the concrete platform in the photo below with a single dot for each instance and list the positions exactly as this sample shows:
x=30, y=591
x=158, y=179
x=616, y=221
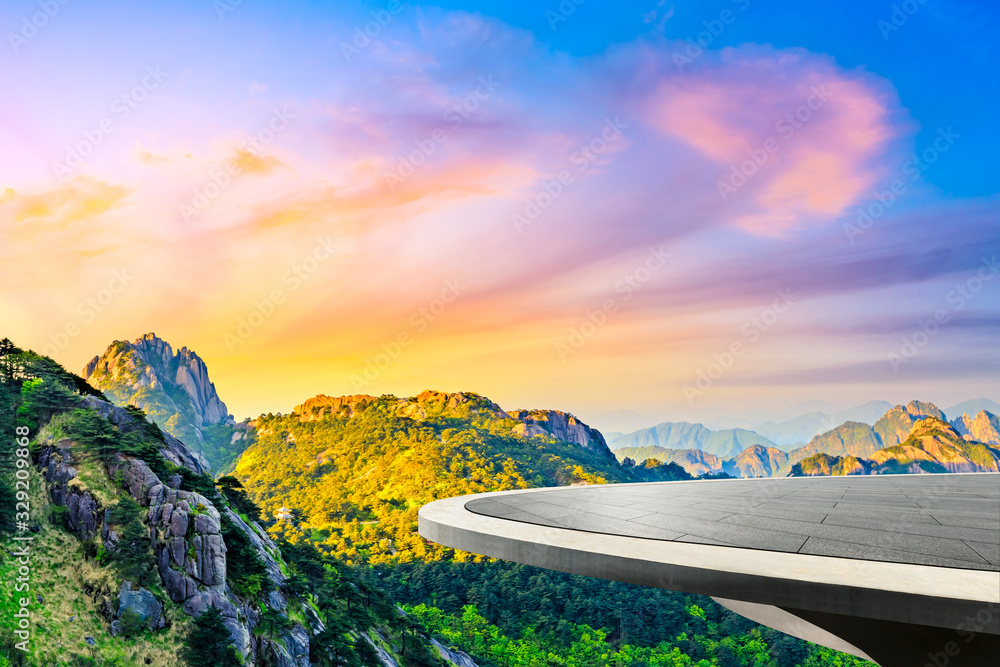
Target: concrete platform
x=891, y=568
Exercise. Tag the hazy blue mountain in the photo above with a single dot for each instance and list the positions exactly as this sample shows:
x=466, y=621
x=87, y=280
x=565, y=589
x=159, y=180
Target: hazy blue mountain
x=972, y=407
x=694, y=461
x=726, y=443
x=804, y=427
x=754, y=461
x=848, y=439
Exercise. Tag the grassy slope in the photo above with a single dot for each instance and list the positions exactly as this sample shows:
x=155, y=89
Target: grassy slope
x=61, y=575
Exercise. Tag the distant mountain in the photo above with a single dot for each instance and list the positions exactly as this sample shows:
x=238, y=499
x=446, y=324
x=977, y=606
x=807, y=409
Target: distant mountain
x=758, y=461
x=973, y=407
x=932, y=446
x=173, y=389
x=754, y=461
x=850, y=448
x=848, y=439
x=824, y=464
x=725, y=443
x=935, y=446
x=984, y=428
x=805, y=427
x=895, y=425
x=694, y=461
x=861, y=440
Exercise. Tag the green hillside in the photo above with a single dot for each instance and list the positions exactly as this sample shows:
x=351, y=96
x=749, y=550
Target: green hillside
x=358, y=474
x=104, y=590
x=354, y=470
x=825, y=464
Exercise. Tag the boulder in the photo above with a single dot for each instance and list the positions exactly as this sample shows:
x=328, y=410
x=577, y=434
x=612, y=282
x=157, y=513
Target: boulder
x=141, y=602
x=457, y=658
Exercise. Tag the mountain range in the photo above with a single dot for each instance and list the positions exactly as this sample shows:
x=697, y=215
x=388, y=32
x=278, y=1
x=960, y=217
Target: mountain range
x=931, y=446
x=175, y=391
x=850, y=439
x=153, y=547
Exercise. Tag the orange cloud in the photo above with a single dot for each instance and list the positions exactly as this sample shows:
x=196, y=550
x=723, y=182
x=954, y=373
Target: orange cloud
x=77, y=200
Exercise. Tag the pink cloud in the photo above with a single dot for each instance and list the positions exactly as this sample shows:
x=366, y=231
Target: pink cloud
x=822, y=131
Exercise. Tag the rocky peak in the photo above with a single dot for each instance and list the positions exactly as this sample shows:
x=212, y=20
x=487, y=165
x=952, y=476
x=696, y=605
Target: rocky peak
x=984, y=428
x=895, y=425
x=563, y=426
x=922, y=409
x=147, y=373
x=322, y=405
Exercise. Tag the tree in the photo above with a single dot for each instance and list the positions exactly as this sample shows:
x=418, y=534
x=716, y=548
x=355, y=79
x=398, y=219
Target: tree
x=133, y=554
x=94, y=434
x=209, y=644
x=7, y=500
x=10, y=364
x=43, y=397
x=233, y=491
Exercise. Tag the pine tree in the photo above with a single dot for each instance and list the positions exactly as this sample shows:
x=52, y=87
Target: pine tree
x=94, y=434
x=133, y=552
x=209, y=644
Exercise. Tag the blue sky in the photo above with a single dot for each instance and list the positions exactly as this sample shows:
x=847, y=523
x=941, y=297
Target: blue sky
x=666, y=199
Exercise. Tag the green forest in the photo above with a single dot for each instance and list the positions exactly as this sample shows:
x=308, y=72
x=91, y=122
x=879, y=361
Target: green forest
x=357, y=482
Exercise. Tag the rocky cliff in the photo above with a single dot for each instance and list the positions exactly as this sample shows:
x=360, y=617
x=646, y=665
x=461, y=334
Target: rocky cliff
x=848, y=439
x=173, y=388
x=758, y=461
x=984, y=428
x=895, y=425
x=186, y=537
x=562, y=426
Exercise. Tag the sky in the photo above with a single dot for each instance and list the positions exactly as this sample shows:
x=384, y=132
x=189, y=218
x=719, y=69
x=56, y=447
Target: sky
x=632, y=211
